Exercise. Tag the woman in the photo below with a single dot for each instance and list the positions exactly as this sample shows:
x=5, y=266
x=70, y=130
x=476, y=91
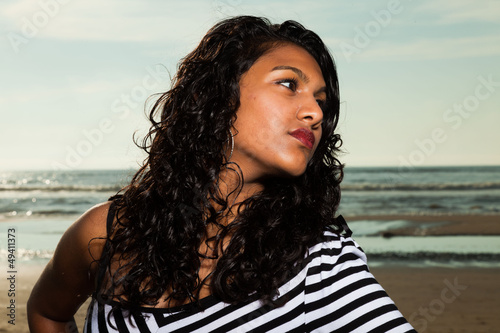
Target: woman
x=229, y=225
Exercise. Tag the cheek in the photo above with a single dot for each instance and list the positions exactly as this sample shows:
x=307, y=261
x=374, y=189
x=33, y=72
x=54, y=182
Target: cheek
x=262, y=121
x=271, y=130
x=264, y=137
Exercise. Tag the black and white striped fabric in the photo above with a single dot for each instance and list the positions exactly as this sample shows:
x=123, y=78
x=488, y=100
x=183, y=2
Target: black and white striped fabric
x=334, y=292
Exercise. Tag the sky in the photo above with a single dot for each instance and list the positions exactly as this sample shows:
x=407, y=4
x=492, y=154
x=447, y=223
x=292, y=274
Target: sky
x=419, y=80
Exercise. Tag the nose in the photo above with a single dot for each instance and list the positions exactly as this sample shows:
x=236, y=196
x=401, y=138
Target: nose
x=310, y=112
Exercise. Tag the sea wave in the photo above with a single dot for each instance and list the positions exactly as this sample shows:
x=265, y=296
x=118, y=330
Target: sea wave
x=56, y=212
x=345, y=187
x=43, y=213
x=438, y=256
x=421, y=187
x=27, y=254
x=60, y=188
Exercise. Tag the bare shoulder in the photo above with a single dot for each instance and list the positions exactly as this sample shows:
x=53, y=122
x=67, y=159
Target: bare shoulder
x=83, y=242
x=69, y=277
x=89, y=231
x=94, y=219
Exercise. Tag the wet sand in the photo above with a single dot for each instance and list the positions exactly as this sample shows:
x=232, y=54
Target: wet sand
x=439, y=225
x=445, y=299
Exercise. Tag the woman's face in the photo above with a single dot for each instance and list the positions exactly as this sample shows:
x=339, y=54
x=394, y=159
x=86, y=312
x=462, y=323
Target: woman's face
x=278, y=125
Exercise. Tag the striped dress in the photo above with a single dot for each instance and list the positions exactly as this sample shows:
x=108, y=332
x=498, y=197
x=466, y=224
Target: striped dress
x=334, y=292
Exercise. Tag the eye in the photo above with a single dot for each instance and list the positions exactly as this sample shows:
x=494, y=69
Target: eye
x=321, y=102
x=289, y=83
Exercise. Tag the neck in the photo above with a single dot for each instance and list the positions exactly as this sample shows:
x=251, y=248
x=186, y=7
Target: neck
x=230, y=187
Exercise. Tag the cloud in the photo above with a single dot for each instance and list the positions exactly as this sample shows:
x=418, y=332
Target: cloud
x=113, y=20
x=438, y=48
x=71, y=87
x=462, y=11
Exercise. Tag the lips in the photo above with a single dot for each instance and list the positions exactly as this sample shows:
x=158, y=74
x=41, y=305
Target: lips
x=305, y=136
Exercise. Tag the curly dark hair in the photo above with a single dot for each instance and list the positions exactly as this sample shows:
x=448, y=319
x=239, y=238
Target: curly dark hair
x=163, y=214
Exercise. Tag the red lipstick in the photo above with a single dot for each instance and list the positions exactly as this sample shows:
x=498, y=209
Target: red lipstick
x=305, y=136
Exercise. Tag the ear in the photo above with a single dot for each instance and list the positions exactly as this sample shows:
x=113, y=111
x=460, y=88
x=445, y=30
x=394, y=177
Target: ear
x=233, y=129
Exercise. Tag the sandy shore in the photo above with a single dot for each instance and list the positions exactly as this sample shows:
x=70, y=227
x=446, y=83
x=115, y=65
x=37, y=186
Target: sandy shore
x=26, y=277
x=439, y=225
x=433, y=299
x=445, y=299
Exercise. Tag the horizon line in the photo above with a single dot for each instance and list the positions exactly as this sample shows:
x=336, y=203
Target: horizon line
x=345, y=166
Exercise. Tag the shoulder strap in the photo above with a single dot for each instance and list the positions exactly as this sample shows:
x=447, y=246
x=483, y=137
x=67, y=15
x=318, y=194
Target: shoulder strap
x=345, y=227
x=104, y=260
x=110, y=218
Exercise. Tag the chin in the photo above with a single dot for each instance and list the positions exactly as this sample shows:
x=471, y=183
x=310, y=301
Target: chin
x=292, y=172
x=287, y=166
x=296, y=167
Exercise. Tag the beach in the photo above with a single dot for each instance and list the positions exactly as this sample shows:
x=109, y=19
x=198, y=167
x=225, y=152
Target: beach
x=432, y=298
x=436, y=299
x=26, y=278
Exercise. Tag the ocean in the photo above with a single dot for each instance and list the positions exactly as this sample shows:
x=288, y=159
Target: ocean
x=425, y=190
x=40, y=205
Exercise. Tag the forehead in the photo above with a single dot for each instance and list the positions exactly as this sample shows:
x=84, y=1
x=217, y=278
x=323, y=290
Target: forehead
x=290, y=55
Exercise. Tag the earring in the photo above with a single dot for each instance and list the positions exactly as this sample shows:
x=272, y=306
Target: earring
x=232, y=145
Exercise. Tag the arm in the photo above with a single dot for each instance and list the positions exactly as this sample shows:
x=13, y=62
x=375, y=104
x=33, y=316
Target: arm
x=68, y=279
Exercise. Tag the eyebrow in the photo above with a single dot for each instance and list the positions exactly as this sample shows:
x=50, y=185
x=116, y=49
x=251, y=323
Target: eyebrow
x=300, y=73
x=297, y=71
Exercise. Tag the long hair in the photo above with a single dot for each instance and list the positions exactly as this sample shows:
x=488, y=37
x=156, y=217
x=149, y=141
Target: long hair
x=163, y=214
